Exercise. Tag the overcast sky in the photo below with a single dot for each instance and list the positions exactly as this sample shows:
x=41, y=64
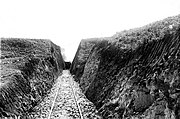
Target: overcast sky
x=66, y=22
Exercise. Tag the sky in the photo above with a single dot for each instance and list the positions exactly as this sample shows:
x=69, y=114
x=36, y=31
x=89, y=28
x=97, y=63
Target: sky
x=67, y=22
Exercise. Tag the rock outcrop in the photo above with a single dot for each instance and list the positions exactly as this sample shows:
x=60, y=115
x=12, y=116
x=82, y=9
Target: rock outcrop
x=135, y=73
x=29, y=68
x=81, y=56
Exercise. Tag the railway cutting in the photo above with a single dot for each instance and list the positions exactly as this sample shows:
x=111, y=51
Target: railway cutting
x=65, y=101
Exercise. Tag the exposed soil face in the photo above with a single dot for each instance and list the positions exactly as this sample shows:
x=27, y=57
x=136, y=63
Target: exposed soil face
x=135, y=73
x=29, y=68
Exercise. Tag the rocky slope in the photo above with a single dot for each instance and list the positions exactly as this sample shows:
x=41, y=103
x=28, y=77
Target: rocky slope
x=135, y=73
x=81, y=56
x=29, y=68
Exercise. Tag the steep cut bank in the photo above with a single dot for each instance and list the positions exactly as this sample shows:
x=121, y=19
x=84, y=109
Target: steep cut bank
x=29, y=68
x=82, y=55
x=135, y=73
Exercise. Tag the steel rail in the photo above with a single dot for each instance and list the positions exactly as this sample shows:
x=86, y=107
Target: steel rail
x=79, y=108
x=54, y=102
x=75, y=99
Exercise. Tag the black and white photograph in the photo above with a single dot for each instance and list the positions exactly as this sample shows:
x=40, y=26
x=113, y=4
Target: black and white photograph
x=89, y=59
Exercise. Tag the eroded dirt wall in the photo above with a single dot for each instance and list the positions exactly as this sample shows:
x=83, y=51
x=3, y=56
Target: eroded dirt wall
x=29, y=68
x=135, y=73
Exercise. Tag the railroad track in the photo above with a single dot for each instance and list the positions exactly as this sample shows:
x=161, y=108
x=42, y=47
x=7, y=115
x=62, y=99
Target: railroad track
x=75, y=100
x=65, y=101
x=51, y=109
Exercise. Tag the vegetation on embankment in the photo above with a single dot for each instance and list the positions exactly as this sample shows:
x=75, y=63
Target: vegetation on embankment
x=29, y=68
x=135, y=73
